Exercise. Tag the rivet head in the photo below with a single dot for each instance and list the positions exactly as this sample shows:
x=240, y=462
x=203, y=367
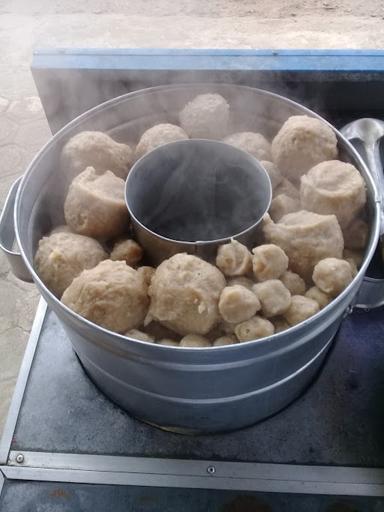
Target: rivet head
x=211, y=470
x=19, y=458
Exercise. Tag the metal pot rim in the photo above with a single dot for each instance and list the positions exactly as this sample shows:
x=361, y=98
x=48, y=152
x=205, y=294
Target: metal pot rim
x=68, y=129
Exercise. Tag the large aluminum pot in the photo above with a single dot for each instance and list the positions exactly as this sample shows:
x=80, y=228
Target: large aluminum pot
x=185, y=389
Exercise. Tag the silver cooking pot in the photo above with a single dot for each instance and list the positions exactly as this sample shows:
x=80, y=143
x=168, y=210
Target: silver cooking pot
x=185, y=389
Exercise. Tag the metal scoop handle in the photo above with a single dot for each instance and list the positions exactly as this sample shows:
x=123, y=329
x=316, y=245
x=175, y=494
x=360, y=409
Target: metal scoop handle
x=369, y=132
x=372, y=150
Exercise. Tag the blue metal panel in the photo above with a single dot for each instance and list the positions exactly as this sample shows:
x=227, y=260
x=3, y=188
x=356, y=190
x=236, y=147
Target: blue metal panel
x=367, y=61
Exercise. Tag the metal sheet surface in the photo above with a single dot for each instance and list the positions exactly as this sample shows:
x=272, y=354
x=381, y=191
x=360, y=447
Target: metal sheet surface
x=338, y=421
x=19, y=496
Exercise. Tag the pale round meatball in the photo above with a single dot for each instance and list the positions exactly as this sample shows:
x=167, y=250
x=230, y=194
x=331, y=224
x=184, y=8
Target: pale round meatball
x=194, y=340
x=139, y=335
x=97, y=150
x=353, y=266
x=332, y=275
x=112, y=295
x=225, y=340
x=287, y=188
x=147, y=273
x=255, y=328
x=157, y=136
x=234, y=259
x=241, y=281
x=280, y=324
x=128, y=251
x=206, y=117
x=306, y=238
x=168, y=342
x=300, y=309
x=294, y=283
x=184, y=293
x=323, y=299
x=274, y=297
x=61, y=256
x=333, y=187
x=95, y=205
x=282, y=205
x=273, y=172
x=269, y=261
x=356, y=235
x=301, y=143
x=237, y=304
x=251, y=142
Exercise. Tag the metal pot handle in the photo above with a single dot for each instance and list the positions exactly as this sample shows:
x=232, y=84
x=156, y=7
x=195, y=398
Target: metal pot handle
x=7, y=236
x=369, y=132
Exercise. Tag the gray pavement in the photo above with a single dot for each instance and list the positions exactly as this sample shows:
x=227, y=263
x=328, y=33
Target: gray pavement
x=23, y=130
x=26, y=24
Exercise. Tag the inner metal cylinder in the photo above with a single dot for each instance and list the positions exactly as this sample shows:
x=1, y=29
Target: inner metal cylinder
x=194, y=195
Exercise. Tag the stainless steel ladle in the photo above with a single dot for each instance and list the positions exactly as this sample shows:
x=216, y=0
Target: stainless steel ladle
x=369, y=132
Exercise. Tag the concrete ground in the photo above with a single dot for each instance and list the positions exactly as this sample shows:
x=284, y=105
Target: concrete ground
x=26, y=24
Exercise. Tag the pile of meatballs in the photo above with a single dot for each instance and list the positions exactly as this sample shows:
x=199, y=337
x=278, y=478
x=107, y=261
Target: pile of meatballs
x=315, y=234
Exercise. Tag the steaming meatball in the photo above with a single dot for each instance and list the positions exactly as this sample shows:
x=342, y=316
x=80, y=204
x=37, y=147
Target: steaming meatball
x=280, y=324
x=225, y=340
x=157, y=136
x=356, y=234
x=112, y=295
x=147, y=273
x=269, y=262
x=301, y=143
x=253, y=329
x=288, y=189
x=251, y=142
x=97, y=150
x=274, y=297
x=61, y=257
x=241, y=281
x=238, y=304
x=184, y=293
x=273, y=173
x=333, y=187
x=332, y=275
x=95, y=205
x=234, y=259
x=128, y=251
x=139, y=335
x=206, y=117
x=300, y=309
x=194, y=340
x=168, y=342
x=306, y=238
x=294, y=283
x=282, y=205
x=323, y=299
